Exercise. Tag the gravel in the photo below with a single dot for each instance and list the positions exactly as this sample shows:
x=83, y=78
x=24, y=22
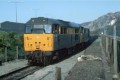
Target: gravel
x=12, y=66
x=90, y=69
x=87, y=70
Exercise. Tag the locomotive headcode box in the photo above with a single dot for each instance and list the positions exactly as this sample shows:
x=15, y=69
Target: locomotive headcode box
x=38, y=26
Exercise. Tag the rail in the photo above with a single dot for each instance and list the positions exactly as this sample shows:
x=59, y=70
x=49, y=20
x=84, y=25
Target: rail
x=20, y=73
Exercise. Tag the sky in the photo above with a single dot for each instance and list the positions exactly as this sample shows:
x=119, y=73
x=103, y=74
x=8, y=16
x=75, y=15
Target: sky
x=77, y=11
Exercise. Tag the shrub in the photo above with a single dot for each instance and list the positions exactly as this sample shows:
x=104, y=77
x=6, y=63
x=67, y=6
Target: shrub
x=10, y=40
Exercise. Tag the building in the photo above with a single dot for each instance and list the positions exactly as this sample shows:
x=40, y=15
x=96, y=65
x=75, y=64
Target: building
x=7, y=26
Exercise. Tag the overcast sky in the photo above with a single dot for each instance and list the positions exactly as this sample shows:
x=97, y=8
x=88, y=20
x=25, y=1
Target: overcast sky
x=78, y=11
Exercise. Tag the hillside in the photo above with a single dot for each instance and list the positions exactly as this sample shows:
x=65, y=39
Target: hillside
x=103, y=22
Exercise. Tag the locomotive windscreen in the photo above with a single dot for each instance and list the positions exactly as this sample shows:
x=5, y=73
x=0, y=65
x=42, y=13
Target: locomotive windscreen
x=42, y=29
x=28, y=29
x=47, y=28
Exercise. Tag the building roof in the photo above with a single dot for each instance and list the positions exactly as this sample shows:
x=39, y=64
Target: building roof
x=11, y=22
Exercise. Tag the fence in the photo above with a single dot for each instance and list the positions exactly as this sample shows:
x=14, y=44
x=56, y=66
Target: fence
x=111, y=47
x=12, y=53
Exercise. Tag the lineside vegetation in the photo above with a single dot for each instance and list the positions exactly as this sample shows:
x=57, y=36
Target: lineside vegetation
x=10, y=40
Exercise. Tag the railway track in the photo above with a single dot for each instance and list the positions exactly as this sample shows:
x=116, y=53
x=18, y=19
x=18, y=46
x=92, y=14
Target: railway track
x=20, y=73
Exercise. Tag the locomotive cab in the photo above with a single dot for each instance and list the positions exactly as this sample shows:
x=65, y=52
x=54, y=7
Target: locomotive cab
x=41, y=38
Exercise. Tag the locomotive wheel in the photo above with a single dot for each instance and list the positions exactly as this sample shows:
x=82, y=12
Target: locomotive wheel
x=46, y=60
x=69, y=51
x=73, y=50
x=29, y=62
x=50, y=60
x=57, y=55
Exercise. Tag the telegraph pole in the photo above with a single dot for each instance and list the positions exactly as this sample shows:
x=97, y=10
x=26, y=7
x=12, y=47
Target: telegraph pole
x=16, y=10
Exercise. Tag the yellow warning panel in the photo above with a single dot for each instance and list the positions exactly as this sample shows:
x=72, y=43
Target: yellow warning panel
x=43, y=42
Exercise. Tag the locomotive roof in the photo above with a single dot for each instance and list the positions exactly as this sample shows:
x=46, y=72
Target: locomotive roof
x=42, y=20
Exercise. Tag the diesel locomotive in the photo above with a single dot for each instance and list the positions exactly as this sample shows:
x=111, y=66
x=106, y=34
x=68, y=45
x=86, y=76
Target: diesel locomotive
x=47, y=39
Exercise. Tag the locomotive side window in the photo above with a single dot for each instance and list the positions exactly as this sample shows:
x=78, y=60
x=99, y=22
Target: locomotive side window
x=55, y=28
x=81, y=29
x=63, y=30
x=84, y=30
x=76, y=35
x=73, y=31
x=76, y=30
x=68, y=30
x=59, y=30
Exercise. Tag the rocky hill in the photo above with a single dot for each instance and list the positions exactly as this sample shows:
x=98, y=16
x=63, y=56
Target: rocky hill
x=103, y=22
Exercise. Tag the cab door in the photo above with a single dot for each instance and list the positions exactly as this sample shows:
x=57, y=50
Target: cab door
x=55, y=31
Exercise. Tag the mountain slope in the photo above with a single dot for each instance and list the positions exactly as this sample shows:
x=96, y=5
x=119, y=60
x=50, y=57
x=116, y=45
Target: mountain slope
x=102, y=22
